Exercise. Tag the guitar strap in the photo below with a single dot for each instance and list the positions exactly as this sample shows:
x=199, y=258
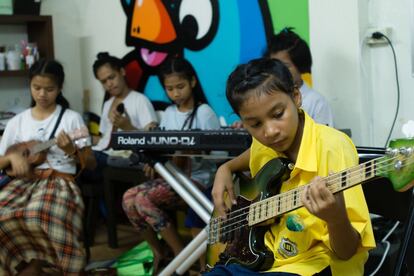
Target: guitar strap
x=52, y=135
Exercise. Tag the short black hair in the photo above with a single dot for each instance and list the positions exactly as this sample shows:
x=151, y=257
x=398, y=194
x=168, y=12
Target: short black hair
x=263, y=75
x=103, y=58
x=298, y=49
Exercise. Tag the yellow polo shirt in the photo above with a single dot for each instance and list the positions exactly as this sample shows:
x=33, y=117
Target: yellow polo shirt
x=300, y=241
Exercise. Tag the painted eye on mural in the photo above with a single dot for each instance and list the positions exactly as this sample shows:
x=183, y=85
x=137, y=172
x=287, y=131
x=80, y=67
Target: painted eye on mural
x=198, y=19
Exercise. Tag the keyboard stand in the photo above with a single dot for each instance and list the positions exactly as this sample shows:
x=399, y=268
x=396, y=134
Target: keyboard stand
x=199, y=203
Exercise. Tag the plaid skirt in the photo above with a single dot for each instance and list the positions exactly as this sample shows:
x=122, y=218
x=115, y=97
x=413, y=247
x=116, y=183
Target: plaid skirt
x=41, y=220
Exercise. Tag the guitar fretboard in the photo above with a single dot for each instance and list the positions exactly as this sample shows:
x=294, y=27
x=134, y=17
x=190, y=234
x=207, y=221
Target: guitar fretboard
x=75, y=136
x=282, y=203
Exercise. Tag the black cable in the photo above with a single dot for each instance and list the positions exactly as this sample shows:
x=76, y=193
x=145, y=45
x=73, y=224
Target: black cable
x=379, y=35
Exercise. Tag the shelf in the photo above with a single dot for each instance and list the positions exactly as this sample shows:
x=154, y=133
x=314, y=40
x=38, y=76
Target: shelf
x=23, y=19
x=39, y=30
x=16, y=73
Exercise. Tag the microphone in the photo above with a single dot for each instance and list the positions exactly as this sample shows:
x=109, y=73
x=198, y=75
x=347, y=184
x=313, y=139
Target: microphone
x=120, y=108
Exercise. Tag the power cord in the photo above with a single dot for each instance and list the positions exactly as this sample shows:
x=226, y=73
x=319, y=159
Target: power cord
x=387, y=248
x=379, y=35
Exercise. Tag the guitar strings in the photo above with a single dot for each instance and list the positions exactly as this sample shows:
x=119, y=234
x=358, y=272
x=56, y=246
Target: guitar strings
x=234, y=229
x=286, y=197
x=328, y=178
x=331, y=182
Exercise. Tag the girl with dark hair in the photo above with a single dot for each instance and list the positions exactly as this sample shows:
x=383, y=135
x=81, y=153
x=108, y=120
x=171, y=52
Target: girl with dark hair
x=54, y=70
x=41, y=207
x=137, y=112
x=182, y=86
x=146, y=205
x=332, y=233
x=123, y=110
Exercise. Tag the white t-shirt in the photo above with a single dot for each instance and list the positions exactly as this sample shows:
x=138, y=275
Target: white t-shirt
x=139, y=109
x=316, y=106
x=23, y=127
x=205, y=118
x=202, y=170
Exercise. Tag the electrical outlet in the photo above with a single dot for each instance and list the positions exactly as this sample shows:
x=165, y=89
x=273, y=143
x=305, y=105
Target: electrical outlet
x=384, y=30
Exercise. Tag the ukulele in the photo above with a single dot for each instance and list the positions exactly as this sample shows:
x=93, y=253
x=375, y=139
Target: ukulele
x=239, y=238
x=36, y=151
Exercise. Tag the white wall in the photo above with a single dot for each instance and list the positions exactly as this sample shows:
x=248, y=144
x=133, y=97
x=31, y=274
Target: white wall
x=397, y=15
x=81, y=29
x=66, y=25
x=359, y=80
x=334, y=42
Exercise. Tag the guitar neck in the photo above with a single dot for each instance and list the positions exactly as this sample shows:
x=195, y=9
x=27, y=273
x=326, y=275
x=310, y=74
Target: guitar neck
x=43, y=146
x=282, y=203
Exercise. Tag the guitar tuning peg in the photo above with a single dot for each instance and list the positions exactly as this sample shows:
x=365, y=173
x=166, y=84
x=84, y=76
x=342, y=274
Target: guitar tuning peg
x=406, y=151
x=392, y=152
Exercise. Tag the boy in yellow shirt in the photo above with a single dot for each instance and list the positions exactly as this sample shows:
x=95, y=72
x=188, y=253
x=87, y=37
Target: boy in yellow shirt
x=332, y=233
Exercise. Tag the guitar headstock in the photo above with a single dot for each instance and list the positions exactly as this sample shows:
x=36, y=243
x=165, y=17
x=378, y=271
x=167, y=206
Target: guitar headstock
x=398, y=164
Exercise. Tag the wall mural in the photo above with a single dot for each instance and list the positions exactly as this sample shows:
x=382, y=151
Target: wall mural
x=213, y=35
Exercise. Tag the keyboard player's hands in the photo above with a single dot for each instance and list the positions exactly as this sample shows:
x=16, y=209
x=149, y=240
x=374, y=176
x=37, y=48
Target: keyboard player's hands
x=223, y=182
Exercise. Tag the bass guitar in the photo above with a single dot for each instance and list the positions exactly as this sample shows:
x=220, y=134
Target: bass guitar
x=239, y=238
x=36, y=151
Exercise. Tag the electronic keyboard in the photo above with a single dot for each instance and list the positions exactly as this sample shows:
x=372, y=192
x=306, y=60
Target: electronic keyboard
x=170, y=140
x=223, y=139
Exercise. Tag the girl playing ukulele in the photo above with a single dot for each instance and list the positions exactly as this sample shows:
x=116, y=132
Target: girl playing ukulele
x=41, y=208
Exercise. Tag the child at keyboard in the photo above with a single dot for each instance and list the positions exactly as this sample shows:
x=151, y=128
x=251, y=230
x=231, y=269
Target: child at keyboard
x=147, y=203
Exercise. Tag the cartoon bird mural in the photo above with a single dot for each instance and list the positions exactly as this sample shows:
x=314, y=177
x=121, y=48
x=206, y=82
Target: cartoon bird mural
x=213, y=35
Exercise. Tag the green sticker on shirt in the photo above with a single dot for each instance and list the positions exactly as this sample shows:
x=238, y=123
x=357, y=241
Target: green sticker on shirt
x=294, y=223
